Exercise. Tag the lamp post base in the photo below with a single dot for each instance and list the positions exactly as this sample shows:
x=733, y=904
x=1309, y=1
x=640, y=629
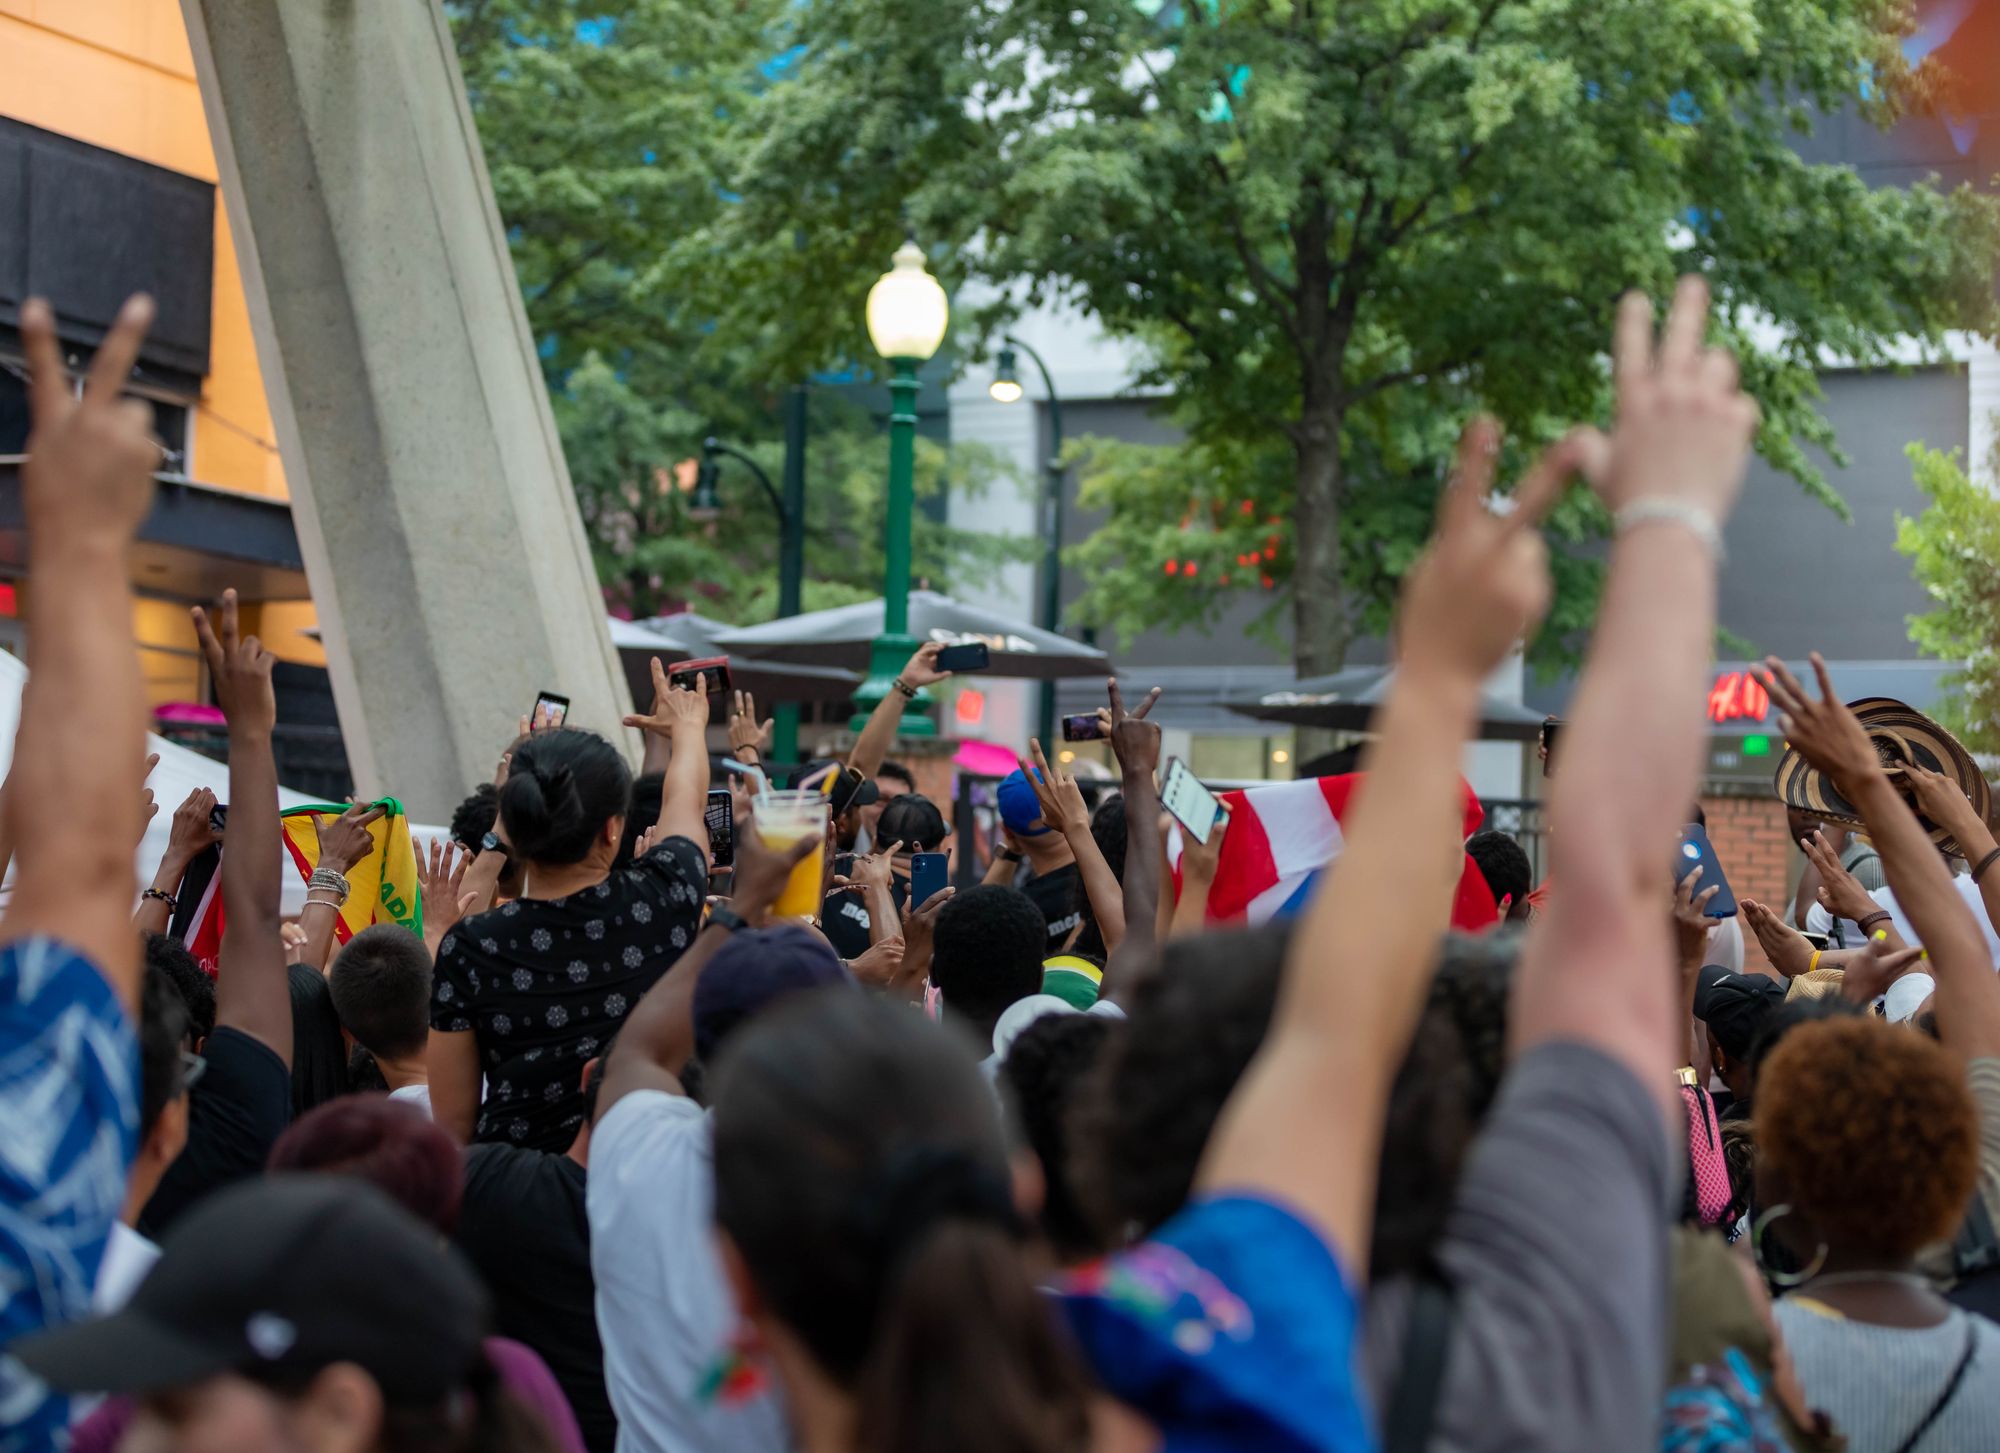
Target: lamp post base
x=886, y=657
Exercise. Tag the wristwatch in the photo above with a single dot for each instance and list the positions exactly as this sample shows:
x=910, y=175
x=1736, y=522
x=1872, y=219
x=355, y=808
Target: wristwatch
x=491, y=844
x=1008, y=855
x=721, y=915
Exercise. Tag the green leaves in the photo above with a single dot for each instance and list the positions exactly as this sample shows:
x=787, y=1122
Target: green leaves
x=1954, y=551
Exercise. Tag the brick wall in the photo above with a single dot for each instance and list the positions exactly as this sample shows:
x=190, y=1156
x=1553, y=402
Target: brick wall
x=1756, y=852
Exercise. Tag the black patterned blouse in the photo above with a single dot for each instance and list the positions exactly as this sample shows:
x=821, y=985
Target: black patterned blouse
x=544, y=983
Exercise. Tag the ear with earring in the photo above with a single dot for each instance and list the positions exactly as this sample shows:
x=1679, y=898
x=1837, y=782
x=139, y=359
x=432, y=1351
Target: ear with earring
x=1776, y=1278
x=737, y=1374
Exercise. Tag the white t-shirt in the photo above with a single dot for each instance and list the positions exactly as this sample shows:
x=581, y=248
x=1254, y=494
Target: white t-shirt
x=128, y=1257
x=418, y=1095
x=664, y=1308
x=1818, y=920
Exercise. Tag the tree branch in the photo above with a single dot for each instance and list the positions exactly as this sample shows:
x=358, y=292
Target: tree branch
x=1268, y=287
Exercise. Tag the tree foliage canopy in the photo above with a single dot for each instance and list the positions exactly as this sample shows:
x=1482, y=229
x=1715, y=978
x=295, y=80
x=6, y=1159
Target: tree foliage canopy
x=611, y=130
x=1954, y=550
x=1334, y=229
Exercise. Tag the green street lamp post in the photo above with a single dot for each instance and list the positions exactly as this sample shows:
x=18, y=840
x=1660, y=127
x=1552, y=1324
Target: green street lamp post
x=907, y=318
x=1006, y=389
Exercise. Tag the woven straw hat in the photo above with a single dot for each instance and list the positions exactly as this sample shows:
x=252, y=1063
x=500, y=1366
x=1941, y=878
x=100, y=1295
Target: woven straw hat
x=1901, y=735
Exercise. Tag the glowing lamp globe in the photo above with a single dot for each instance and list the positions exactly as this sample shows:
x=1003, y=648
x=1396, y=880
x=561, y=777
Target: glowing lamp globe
x=907, y=311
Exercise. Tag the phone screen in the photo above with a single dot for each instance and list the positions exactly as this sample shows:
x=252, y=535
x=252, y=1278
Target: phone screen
x=550, y=711
x=1086, y=727
x=975, y=656
x=710, y=677
x=1194, y=807
x=928, y=875
x=721, y=829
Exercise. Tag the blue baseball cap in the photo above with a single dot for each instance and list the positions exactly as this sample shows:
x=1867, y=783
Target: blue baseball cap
x=1020, y=809
x=754, y=970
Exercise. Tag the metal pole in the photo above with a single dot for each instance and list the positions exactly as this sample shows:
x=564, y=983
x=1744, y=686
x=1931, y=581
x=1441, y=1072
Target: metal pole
x=791, y=554
x=895, y=645
x=1052, y=533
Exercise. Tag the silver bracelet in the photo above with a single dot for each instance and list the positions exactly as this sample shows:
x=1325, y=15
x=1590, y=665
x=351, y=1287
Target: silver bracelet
x=330, y=880
x=1658, y=511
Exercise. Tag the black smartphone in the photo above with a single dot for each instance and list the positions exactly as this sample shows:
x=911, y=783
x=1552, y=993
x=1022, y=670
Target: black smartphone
x=1696, y=851
x=1194, y=807
x=843, y=865
x=1551, y=729
x=218, y=817
x=929, y=872
x=721, y=828
x=709, y=675
x=973, y=656
x=550, y=711
x=1085, y=727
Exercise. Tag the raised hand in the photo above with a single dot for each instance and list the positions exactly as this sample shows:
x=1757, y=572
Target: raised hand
x=1684, y=428
x=874, y=870
x=881, y=964
x=1135, y=741
x=1691, y=921
x=1198, y=860
x=921, y=669
x=240, y=667
x=1944, y=802
x=1872, y=968
x=345, y=840
x=1063, y=807
x=193, y=827
x=1482, y=585
x=1840, y=892
x=675, y=708
x=1789, y=951
x=149, y=805
x=91, y=456
x=440, y=882
x=745, y=732
x=1825, y=732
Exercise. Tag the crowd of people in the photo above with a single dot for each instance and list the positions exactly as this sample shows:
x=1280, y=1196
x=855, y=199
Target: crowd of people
x=616, y=1158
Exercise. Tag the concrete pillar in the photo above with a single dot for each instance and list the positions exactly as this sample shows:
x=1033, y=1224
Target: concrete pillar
x=446, y=555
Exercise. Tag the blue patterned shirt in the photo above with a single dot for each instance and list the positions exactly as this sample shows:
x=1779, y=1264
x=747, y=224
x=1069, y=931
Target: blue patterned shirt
x=69, y=1127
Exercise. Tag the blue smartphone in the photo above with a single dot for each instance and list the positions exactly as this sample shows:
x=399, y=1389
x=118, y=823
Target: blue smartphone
x=1696, y=851
x=929, y=873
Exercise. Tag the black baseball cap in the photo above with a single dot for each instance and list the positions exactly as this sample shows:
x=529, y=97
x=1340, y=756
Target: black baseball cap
x=277, y=1278
x=847, y=792
x=1736, y=1007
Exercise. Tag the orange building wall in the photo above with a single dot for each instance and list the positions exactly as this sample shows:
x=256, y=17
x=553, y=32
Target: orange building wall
x=118, y=74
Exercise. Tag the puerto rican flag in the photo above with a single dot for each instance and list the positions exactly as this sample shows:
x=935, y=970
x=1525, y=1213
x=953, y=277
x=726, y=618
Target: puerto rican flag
x=1281, y=838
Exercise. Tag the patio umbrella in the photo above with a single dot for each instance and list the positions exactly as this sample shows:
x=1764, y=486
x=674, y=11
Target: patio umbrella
x=841, y=637
x=688, y=636
x=1347, y=701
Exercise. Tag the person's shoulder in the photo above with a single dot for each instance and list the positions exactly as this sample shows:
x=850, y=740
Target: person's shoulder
x=675, y=863
x=230, y=1050
x=652, y=1119
x=44, y=978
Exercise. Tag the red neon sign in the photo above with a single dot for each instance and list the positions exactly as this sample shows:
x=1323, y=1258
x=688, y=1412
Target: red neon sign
x=1738, y=696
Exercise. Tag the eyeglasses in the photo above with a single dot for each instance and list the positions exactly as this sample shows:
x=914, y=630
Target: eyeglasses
x=193, y=1067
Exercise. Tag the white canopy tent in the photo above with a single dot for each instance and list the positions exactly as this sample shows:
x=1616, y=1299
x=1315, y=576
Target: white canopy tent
x=180, y=771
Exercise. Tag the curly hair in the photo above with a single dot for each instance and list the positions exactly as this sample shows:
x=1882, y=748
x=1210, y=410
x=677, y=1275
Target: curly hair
x=1871, y=1134
x=1138, y=1133
x=1046, y=1069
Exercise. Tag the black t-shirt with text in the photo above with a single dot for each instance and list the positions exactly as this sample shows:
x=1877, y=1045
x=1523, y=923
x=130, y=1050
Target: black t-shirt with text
x=1059, y=894
x=543, y=983
x=522, y=1226
x=236, y=1112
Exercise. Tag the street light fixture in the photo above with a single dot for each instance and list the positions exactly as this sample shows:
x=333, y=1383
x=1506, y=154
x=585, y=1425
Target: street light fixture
x=907, y=317
x=1006, y=389
x=1006, y=385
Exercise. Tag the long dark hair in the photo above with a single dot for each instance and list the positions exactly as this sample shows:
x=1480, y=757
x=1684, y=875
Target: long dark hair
x=319, y=1054
x=562, y=787
x=861, y=1171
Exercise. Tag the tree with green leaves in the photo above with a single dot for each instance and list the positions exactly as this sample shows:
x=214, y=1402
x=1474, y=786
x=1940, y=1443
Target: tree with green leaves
x=1333, y=230
x=609, y=130
x=1954, y=550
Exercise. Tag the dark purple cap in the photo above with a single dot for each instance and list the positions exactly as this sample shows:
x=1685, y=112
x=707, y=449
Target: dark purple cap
x=754, y=970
